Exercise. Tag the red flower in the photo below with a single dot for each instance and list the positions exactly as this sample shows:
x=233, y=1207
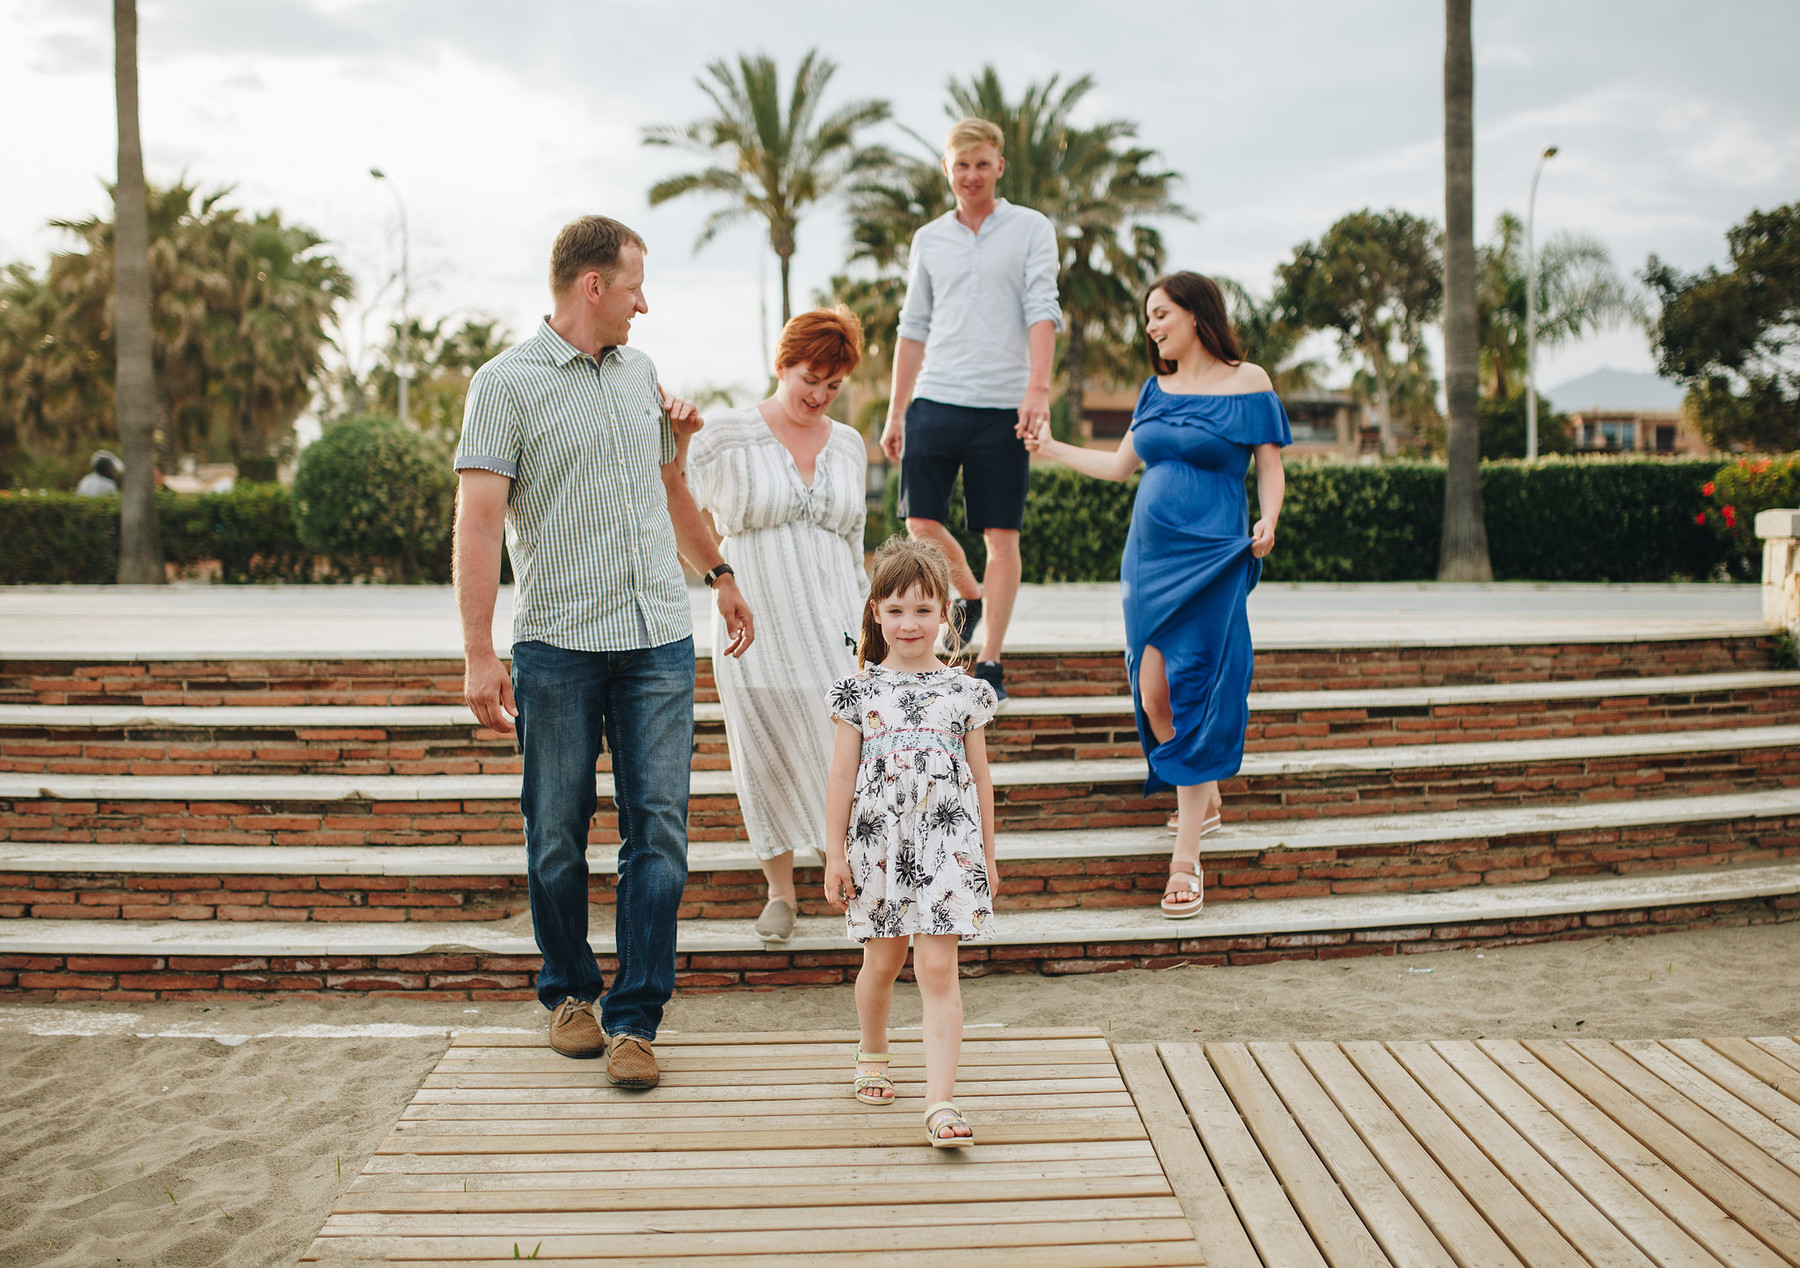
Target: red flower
x=1730, y=514
x=1700, y=519
x=1706, y=490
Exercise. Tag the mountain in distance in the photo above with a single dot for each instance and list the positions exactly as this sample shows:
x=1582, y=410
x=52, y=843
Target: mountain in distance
x=1616, y=390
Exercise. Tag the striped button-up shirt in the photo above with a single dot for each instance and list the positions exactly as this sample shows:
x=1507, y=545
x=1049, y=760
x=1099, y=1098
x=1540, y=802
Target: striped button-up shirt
x=587, y=517
x=971, y=298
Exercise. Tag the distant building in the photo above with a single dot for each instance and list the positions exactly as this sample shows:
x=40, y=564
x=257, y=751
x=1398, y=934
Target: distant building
x=1325, y=424
x=1618, y=411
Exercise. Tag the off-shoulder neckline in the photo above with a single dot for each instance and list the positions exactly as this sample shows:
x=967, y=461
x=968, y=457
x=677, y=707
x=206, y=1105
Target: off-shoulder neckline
x=1207, y=396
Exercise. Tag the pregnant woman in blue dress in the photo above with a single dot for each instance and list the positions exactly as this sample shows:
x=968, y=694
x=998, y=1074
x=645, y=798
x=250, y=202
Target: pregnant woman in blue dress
x=1192, y=556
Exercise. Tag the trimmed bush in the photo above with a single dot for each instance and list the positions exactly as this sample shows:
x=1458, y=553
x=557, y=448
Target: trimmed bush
x=58, y=539
x=378, y=498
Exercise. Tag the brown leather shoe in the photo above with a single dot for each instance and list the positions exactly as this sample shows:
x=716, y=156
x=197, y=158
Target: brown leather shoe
x=632, y=1063
x=574, y=1031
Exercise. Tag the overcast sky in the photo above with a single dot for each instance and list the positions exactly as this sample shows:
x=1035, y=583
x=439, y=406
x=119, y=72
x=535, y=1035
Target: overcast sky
x=500, y=121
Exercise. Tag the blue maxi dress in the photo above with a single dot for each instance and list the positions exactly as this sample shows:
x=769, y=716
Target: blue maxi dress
x=1187, y=571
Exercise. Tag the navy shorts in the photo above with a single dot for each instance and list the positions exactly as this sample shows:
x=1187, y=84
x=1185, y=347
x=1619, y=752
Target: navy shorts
x=981, y=443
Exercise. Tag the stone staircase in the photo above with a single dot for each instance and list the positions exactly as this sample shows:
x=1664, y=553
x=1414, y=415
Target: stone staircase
x=183, y=827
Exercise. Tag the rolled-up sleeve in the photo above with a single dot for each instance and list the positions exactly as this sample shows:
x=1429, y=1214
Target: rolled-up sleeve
x=493, y=432
x=915, y=314
x=1040, y=279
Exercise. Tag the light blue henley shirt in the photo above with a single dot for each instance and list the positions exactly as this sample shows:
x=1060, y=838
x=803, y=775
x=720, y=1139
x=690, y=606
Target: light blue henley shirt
x=971, y=298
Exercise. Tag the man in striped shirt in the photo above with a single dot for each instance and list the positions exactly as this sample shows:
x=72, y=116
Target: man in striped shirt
x=568, y=452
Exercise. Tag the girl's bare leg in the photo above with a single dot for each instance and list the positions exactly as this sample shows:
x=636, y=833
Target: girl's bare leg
x=934, y=964
x=779, y=872
x=883, y=958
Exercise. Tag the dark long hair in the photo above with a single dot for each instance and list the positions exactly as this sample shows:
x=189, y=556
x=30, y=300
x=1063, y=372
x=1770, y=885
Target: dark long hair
x=1199, y=296
x=900, y=564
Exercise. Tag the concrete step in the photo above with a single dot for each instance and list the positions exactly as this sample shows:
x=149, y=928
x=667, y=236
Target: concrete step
x=1111, y=868
x=145, y=960
x=1342, y=665
x=331, y=810
x=446, y=740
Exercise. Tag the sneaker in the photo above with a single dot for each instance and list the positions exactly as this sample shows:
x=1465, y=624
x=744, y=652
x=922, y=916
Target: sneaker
x=965, y=615
x=632, y=1063
x=776, y=924
x=574, y=1030
x=993, y=673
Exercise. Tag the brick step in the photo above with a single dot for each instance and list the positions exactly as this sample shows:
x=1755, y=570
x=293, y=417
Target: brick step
x=1030, y=795
x=446, y=740
x=1122, y=867
x=90, y=680
x=141, y=961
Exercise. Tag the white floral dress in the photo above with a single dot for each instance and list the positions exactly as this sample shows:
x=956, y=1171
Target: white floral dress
x=914, y=845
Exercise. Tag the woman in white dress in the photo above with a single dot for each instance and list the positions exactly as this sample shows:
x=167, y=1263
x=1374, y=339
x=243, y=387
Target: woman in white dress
x=787, y=487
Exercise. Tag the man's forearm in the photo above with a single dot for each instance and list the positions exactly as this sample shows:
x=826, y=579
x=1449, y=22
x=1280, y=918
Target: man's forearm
x=909, y=356
x=475, y=564
x=1042, y=339
x=692, y=539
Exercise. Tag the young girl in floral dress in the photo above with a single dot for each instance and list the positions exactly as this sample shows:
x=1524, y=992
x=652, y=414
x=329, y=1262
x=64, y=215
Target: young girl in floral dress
x=910, y=827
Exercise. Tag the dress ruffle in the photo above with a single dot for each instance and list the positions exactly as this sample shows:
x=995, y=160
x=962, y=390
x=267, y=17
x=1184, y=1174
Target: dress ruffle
x=1249, y=418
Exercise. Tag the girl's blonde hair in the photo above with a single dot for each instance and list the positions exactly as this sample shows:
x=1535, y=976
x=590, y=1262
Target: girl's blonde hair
x=901, y=563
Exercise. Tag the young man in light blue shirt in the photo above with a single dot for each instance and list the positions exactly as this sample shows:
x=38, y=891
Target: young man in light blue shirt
x=972, y=377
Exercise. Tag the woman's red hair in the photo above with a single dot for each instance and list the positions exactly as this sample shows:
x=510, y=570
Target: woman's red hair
x=829, y=340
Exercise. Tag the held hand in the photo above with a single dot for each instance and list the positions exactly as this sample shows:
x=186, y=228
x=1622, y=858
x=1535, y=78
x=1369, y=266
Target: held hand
x=1262, y=538
x=839, y=888
x=1034, y=411
x=684, y=415
x=489, y=694
x=740, y=626
x=1038, y=439
x=893, y=438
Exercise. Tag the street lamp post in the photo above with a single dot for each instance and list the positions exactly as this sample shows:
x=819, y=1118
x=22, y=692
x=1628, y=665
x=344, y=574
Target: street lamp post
x=1531, y=435
x=404, y=370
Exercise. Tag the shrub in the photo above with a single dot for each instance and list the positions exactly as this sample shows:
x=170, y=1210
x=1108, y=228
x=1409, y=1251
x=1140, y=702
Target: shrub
x=1734, y=495
x=58, y=539
x=1357, y=523
x=249, y=532
x=378, y=498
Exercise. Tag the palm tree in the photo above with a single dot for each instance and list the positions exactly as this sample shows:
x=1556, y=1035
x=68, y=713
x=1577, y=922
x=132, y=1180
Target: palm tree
x=140, y=536
x=1270, y=339
x=1579, y=292
x=1100, y=193
x=777, y=160
x=1463, y=555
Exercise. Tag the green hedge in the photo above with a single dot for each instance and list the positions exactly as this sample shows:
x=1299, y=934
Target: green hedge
x=1598, y=519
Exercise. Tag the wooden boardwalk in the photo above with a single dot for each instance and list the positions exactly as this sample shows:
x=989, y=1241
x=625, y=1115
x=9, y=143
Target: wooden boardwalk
x=752, y=1149
x=1678, y=1153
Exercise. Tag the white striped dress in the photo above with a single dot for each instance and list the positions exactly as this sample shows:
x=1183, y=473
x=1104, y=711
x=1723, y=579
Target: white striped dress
x=797, y=554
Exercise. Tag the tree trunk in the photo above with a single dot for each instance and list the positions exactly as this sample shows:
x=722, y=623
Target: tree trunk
x=1383, y=404
x=1464, y=553
x=134, y=384
x=1075, y=376
x=787, y=308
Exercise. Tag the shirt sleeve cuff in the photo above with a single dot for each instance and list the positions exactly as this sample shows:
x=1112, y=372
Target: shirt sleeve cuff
x=916, y=331
x=487, y=462
x=1048, y=312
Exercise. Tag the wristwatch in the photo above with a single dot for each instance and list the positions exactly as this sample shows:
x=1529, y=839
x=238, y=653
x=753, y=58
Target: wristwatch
x=711, y=578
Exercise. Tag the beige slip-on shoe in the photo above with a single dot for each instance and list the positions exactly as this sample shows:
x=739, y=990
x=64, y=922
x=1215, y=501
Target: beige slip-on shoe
x=631, y=1062
x=575, y=1031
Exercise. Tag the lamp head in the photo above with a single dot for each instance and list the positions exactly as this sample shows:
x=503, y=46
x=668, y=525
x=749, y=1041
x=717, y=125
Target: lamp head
x=1550, y=151
x=377, y=173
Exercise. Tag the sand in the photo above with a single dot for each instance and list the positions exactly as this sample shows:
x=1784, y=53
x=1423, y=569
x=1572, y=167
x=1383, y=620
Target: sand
x=211, y=1134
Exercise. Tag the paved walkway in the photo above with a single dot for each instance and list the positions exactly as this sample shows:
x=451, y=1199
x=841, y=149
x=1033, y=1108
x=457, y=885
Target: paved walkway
x=199, y=621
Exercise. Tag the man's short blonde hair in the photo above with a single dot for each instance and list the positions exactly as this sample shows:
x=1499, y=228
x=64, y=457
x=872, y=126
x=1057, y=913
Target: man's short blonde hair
x=966, y=134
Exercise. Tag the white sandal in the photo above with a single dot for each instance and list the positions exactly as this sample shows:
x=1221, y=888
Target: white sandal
x=1212, y=824
x=867, y=1082
x=935, y=1118
x=1183, y=902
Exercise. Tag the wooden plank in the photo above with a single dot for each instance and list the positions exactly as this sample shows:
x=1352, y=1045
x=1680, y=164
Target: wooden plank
x=1739, y=1082
x=593, y=1093
x=816, y=1059
x=1184, y=1162
x=946, y=1241
x=1335, y=1227
x=1781, y=1048
x=839, y=1118
x=588, y=1074
x=1722, y=1186
x=1520, y=1224
x=1747, y=1056
x=1384, y=1210
x=1779, y=1184
x=1087, y=1048
x=761, y=1160
x=1643, y=1221
x=1049, y=1172
x=1274, y=1227
x=873, y=1135
x=671, y=1038
x=837, y=1100
x=1440, y=1203
x=1721, y=1102
x=1586, y=1229
x=1167, y=1254
x=828, y=1191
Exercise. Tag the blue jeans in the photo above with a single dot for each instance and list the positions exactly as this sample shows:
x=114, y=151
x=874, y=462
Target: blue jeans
x=642, y=703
